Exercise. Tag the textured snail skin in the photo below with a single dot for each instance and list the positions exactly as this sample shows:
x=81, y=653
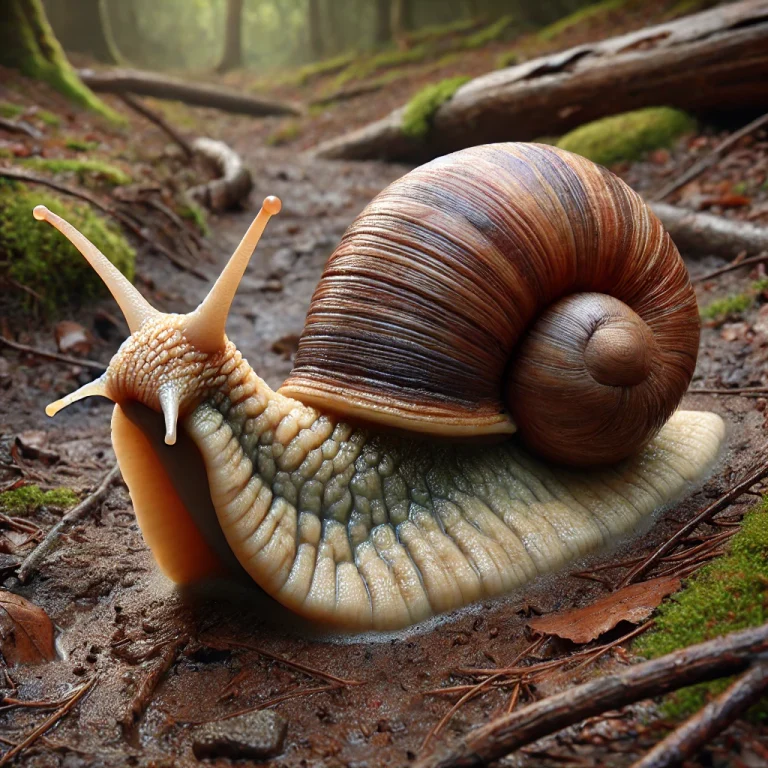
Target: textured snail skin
x=357, y=526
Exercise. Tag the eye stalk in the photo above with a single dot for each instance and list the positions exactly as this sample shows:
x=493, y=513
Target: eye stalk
x=202, y=331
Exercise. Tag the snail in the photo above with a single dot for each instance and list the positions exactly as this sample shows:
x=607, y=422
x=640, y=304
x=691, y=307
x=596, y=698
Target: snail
x=484, y=390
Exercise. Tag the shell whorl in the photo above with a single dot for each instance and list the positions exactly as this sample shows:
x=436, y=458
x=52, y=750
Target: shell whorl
x=504, y=287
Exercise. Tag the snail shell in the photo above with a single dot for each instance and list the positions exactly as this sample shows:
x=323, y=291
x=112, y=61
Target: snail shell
x=504, y=287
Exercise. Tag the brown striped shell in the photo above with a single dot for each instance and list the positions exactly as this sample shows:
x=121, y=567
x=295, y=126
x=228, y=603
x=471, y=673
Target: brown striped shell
x=503, y=288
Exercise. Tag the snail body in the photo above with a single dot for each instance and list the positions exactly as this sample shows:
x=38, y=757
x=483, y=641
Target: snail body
x=513, y=293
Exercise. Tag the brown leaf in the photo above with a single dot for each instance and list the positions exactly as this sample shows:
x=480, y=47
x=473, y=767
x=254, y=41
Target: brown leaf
x=634, y=603
x=33, y=444
x=72, y=338
x=26, y=632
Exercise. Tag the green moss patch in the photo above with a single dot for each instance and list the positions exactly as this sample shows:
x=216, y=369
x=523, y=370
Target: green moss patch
x=439, y=31
x=194, y=212
x=360, y=69
x=29, y=498
x=727, y=595
x=420, y=110
x=627, y=136
x=10, y=110
x=589, y=13
x=732, y=307
x=284, y=134
x=35, y=255
x=82, y=167
x=508, y=59
x=490, y=34
x=80, y=145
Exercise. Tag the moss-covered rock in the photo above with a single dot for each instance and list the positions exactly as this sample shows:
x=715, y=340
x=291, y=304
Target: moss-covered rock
x=627, y=136
x=35, y=255
x=81, y=167
x=27, y=499
x=727, y=595
x=417, y=118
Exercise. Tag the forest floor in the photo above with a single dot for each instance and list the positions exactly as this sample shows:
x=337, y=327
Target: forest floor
x=165, y=659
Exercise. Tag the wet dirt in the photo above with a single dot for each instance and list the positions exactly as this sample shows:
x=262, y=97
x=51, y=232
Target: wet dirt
x=119, y=619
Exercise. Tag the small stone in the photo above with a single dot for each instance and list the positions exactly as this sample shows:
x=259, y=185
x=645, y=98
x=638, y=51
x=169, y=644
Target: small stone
x=253, y=736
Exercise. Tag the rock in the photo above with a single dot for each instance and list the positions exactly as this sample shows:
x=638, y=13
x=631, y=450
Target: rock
x=255, y=736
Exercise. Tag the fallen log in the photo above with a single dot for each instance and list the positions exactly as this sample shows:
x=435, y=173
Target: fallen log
x=705, y=234
x=161, y=87
x=234, y=183
x=710, y=62
x=700, y=663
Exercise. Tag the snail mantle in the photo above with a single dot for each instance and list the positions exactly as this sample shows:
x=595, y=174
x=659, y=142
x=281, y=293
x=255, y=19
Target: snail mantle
x=513, y=292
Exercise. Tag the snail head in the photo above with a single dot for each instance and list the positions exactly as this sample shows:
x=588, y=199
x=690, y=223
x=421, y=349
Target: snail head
x=170, y=361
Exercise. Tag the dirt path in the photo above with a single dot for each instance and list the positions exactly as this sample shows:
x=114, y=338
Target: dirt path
x=117, y=617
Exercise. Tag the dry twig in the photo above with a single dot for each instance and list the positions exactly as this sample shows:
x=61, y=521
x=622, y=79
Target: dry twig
x=138, y=106
x=740, y=391
x=704, y=516
x=50, y=722
x=76, y=513
x=714, y=718
x=735, y=264
x=698, y=663
x=712, y=157
x=41, y=353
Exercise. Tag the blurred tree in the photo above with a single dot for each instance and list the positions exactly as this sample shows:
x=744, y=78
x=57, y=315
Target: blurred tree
x=315, y=29
x=80, y=28
x=28, y=43
x=383, y=22
x=233, y=46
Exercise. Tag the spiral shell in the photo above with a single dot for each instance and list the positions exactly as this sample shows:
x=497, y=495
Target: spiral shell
x=504, y=287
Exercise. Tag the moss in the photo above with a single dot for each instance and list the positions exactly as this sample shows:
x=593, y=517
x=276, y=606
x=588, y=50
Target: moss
x=627, y=136
x=79, y=145
x=192, y=211
x=49, y=118
x=508, y=59
x=10, y=110
x=590, y=12
x=727, y=595
x=366, y=67
x=317, y=69
x=438, y=31
x=30, y=498
x=285, y=134
x=82, y=167
x=685, y=7
x=733, y=306
x=37, y=256
x=489, y=34
x=420, y=110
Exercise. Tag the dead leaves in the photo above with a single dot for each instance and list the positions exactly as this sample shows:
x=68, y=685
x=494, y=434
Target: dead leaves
x=26, y=632
x=634, y=604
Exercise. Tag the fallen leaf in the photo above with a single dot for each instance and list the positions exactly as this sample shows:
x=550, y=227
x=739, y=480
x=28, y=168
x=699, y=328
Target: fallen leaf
x=26, y=632
x=33, y=444
x=634, y=603
x=72, y=338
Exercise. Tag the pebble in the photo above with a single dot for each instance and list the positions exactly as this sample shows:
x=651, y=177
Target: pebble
x=253, y=736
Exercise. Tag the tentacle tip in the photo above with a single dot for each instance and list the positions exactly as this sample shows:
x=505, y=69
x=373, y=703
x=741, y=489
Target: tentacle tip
x=272, y=205
x=41, y=213
x=52, y=408
x=170, y=438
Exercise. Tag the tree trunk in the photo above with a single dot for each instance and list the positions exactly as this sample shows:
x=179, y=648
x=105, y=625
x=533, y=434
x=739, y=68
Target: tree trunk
x=713, y=61
x=233, y=49
x=80, y=28
x=28, y=43
x=383, y=22
x=401, y=21
x=315, y=23
x=161, y=87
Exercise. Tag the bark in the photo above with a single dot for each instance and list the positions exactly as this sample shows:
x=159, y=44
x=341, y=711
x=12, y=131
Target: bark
x=700, y=663
x=705, y=234
x=28, y=43
x=233, y=48
x=401, y=21
x=234, y=183
x=383, y=22
x=315, y=24
x=150, y=84
x=714, y=61
x=80, y=28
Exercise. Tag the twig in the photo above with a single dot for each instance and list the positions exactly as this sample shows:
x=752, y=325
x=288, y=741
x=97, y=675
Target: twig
x=11, y=173
x=698, y=663
x=712, y=157
x=76, y=513
x=759, y=259
x=339, y=681
x=714, y=718
x=51, y=721
x=742, y=391
x=727, y=498
x=20, y=127
x=138, y=106
x=277, y=699
x=149, y=684
x=82, y=362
